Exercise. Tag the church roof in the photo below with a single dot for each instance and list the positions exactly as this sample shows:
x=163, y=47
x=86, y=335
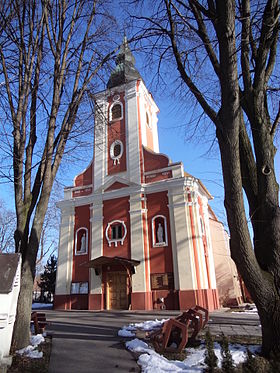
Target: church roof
x=125, y=70
x=106, y=260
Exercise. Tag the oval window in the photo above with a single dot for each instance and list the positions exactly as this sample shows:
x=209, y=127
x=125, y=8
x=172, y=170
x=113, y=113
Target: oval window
x=116, y=151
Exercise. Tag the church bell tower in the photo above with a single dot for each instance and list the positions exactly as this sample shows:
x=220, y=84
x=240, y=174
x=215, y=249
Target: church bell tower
x=126, y=119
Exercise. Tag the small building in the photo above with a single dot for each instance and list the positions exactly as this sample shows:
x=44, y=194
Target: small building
x=227, y=278
x=134, y=230
x=10, y=276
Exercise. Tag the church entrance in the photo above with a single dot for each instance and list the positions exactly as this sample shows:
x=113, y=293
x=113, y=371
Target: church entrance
x=117, y=291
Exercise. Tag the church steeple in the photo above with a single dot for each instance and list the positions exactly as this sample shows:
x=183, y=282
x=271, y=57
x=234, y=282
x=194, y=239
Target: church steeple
x=125, y=70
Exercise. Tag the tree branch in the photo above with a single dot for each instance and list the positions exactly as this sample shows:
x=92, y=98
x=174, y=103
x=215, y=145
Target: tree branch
x=269, y=23
x=195, y=91
x=245, y=40
x=202, y=32
x=275, y=123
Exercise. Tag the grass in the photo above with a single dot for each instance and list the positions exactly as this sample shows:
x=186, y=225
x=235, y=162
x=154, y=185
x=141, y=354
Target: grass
x=23, y=364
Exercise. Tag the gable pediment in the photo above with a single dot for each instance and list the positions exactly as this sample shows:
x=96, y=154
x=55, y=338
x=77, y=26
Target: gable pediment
x=115, y=183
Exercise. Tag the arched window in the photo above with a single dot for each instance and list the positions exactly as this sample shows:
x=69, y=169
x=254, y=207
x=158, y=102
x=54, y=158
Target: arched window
x=116, y=151
x=159, y=231
x=116, y=111
x=115, y=232
x=202, y=226
x=81, y=241
x=148, y=121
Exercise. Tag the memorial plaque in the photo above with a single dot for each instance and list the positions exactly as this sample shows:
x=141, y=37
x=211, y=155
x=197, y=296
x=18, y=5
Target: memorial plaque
x=162, y=281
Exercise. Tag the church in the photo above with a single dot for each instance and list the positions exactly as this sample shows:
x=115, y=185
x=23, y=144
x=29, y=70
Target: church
x=135, y=227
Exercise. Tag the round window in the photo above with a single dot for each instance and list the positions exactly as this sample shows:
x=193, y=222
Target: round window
x=116, y=151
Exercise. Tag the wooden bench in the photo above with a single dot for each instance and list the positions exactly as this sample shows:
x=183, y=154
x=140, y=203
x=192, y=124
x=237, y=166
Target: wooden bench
x=39, y=321
x=174, y=333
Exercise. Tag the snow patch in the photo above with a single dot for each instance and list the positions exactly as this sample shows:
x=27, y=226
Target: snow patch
x=151, y=361
x=31, y=350
x=35, y=340
x=149, y=325
x=128, y=330
x=125, y=333
x=136, y=345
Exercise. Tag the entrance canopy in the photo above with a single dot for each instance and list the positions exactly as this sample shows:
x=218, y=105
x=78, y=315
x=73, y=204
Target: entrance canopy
x=107, y=260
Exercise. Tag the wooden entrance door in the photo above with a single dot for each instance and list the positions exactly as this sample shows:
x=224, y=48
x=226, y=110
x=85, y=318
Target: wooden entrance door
x=117, y=291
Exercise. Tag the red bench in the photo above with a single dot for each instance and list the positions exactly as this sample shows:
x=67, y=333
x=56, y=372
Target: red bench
x=174, y=333
x=39, y=321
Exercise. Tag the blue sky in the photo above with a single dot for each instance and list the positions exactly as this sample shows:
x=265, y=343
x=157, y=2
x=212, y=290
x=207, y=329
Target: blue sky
x=174, y=141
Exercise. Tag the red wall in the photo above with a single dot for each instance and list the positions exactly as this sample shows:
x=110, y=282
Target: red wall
x=160, y=257
x=154, y=161
x=80, y=273
x=117, y=209
x=84, y=178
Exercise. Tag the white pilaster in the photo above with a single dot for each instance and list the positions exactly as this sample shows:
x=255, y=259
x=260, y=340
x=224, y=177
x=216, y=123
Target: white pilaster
x=100, y=141
x=96, y=243
x=65, y=251
x=209, y=244
x=137, y=243
x=199, y=242
x=182, y=247
x=132, y=145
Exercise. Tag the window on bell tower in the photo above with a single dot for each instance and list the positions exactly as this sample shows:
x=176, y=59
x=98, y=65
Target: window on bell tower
x=116, y=111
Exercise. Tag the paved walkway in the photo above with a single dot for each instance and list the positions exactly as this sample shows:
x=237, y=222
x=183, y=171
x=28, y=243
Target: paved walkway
x=234, y=324
x=85, y=342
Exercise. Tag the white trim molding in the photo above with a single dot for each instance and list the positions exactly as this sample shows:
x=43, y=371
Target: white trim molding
x=115, y=240
x=164, y=240
x=84, y=243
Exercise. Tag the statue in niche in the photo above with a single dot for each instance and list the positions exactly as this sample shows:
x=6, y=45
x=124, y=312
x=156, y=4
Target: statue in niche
x=160, y=233
x=83, y=243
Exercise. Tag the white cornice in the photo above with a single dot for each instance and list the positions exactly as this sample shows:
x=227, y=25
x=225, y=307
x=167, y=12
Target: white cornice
x=137, y=212
x=168, y=168
x=173, y=186
x=99, y=96
x=73, y=188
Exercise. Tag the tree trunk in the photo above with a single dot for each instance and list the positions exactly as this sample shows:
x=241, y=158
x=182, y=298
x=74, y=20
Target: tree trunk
x=21, y=334
x=260, y=283
x=269, y=313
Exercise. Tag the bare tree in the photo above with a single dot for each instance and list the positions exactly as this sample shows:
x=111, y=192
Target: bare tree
x=51, y=55
x=225, y=52
x=50, y=233
x=7, y=228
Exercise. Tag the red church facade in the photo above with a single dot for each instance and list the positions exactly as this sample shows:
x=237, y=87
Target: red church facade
x=134, y=230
